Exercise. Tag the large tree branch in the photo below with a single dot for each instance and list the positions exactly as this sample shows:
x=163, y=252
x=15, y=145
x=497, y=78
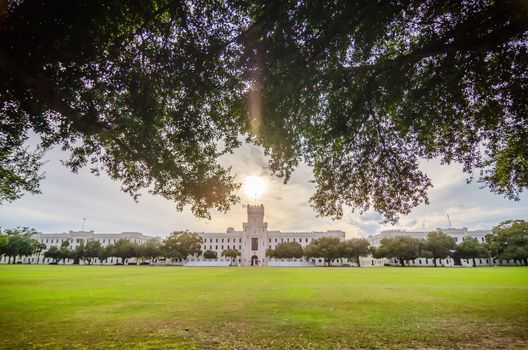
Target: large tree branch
x=47, y=93
x=457, y=40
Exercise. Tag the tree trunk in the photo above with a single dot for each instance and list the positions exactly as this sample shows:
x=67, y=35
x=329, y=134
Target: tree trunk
x=474, y=263
x=402, y=262
x=434, y=262
x=359, y=264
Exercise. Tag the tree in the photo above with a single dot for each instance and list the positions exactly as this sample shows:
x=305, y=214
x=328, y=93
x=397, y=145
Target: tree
x=471, y=248
x=439, y=244
x=179, y=245
x=19, y=243
x=152, y=93
x=231, y=253
x=209, y=254
x=151, y=249
x=324, y=247
x=403, y=248
x=3, y=242
x=123, y=249
x=106, y=252
x=287, y=250
x=354, y=249
x=18, y=171
x=53, y=253
x=38, y=248
x=92, y=250
x=509, y=240
x=65, y=252
x=77, y=254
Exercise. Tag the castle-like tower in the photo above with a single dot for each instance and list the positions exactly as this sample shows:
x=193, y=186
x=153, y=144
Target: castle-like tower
x=255, y=234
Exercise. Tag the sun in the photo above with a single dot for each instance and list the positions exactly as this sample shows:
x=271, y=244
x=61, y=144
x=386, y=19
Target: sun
x=254, y=186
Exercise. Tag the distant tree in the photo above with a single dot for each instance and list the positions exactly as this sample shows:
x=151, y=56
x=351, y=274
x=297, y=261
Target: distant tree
x=53, y=253
x=124, y=249
x=151, y=249
x=65, y=252
x=471, y=248
x=92, y=250
x=287, y=250
x=77, y=254
x=179, y=245
x=439, y=244
x=3, y=242
x=39, y=248
x=509, y=240
x=106, y=252
x=326, y=248
x=402, y=248
x=209, y=254
x=354, y=249
x=19, y=243
x=231, y=253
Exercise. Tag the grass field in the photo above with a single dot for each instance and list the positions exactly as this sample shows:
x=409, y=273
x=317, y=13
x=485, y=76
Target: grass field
x=141, y=307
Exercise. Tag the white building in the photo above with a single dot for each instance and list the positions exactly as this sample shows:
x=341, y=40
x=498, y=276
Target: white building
x=74, y=238
x=252, y=241
x=458, y=234
x=255, y=238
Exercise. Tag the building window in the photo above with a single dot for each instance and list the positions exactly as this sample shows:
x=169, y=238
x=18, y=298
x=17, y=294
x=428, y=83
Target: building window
x=254, y=243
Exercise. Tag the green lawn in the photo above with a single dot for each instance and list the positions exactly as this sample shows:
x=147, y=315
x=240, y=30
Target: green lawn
x=142, y=307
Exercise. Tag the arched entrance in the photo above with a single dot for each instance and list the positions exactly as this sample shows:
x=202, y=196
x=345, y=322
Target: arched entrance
x=254, y=260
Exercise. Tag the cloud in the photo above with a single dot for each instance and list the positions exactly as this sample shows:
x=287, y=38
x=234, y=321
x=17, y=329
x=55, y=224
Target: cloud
x=68, y=198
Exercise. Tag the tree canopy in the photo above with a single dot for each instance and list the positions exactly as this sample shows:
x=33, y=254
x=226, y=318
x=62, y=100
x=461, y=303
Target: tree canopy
x=286, y=250
x=17, y=242
x=180, y=245
x=471, y=248
x=230, y=253
x=326, y=248
x=509, y=240
x=402, y=247
x=153, y=93
x=439, y=244
x=354, y=249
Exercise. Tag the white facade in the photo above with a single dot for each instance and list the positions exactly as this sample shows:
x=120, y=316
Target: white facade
x=75, y=238
x=255, y=238
x=252, y=241
x=458, y=235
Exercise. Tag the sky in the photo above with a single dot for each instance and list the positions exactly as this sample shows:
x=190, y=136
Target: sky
x=67, y=198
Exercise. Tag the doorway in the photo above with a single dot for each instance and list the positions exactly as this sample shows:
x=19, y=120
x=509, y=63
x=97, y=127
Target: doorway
x=254, y=260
